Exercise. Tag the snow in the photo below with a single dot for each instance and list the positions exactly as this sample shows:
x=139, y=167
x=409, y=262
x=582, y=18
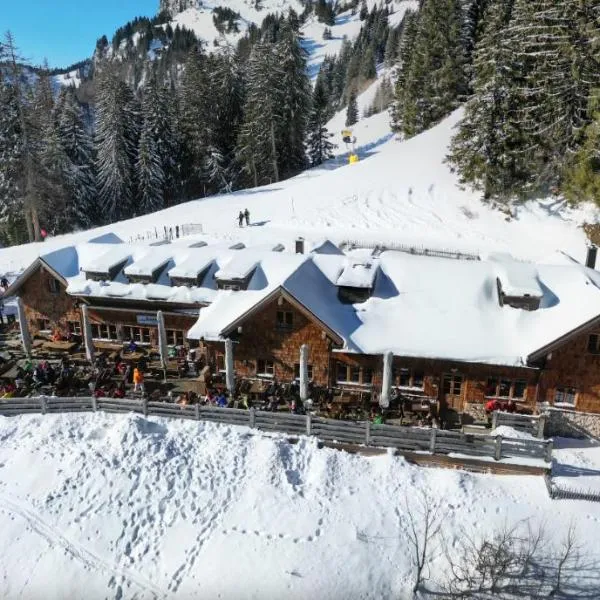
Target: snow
x=125, y=507
x=358, y=273
x=517, y=278
x=238, y=267
x=510, y=432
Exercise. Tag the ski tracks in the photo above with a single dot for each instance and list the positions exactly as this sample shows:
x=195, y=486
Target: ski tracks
x=79, y=552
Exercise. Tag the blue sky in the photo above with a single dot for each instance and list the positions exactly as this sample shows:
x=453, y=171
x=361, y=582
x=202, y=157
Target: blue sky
x=65, y=31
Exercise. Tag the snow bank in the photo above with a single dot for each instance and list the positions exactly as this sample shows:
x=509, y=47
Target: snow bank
x=126, y=507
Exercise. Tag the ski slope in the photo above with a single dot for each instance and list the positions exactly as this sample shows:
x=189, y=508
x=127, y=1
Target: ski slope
x=399, y=191
x=118, y=506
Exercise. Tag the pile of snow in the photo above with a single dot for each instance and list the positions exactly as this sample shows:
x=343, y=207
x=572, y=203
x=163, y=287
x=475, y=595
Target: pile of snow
x=510, y=432
x=126, y=507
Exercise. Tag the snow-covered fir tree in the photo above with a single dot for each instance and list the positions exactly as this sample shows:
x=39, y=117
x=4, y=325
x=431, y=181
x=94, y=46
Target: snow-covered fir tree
x=485, y=149
x=319, y=146
x=294, y=91
x=436, y=80
x=352, y=110
x=79, y=174
x=116, y=143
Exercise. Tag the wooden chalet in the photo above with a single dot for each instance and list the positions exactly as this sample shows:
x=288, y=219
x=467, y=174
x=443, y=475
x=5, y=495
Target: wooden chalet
x=461, y=331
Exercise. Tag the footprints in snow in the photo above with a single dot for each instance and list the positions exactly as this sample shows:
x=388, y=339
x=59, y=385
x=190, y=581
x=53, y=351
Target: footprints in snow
x=277, y=536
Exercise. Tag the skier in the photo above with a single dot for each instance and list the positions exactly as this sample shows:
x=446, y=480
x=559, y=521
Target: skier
x=247, y=216
x=241, y=219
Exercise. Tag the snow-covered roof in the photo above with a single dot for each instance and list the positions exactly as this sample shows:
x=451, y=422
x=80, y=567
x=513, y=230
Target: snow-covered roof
x=517, y=278
x=149, y=263
x=428, y=307
x=358, y=273
x=239, y=266
x=107, y=260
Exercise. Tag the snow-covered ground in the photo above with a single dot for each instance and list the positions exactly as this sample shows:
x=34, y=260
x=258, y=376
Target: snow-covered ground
x=399, y=191
x=118, y=506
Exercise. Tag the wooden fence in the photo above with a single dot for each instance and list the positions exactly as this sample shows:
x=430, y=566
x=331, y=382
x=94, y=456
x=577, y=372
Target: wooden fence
x=557, y=492
x=412, y=439
x=527, y=423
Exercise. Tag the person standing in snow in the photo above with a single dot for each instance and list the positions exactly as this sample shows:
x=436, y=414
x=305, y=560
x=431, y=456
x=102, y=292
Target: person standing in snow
x=241, y=219
x=247, y=217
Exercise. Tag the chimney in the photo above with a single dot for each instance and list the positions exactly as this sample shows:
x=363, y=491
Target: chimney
x=300, y=245
x=592, y=253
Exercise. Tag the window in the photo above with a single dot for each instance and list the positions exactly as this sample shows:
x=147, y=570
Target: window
x=452, y=384
x=410, y=379
x=53, y=285
x=174, y=337
x=265, y=368
x=505, y=388
x=565, y=395
x=43, y=324
x=75, y=327
x=220, y=362
x=404, y=379
x=230, y=286
x=297, y=371
x=102, y=331
x=594, y=344
x=349, y=374
x=519, y=389
x=141, y=335
x=285, y=319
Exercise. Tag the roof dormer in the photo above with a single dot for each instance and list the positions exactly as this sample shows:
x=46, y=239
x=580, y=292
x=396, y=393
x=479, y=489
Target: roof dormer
x=357, y=280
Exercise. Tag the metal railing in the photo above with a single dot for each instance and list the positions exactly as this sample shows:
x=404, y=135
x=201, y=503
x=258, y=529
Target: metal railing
x=434, y=441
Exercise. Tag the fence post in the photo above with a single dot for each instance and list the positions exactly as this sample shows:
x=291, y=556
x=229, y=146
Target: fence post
x=498, y=448
x=308, y=424
x=145, y=406
x=548, y=451
x=252, y=415
x=367, y=433
x=432, y=440
x=494, y=419
x=44, y=404
x=197, y=411
x=94, y=404
x=541, y=426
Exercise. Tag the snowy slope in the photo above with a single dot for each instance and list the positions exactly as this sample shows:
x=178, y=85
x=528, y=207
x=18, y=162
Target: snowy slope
x=398, y=192
x=118, y=506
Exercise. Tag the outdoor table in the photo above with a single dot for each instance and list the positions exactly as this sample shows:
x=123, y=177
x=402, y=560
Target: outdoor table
x=113, y=346
x=133, y=356
x=60, y=346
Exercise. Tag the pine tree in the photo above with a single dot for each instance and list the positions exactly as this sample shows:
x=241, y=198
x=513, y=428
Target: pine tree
x=556, y=44
x=257, y=148
x=435, y=82
x=352, y=110
x=319, y=146
x=149, y=172
x=405, y=49
x=26, y=170
x=295, y=92
x=78, y=173
x=116, y=142
x=11, y=160
x=486, y=149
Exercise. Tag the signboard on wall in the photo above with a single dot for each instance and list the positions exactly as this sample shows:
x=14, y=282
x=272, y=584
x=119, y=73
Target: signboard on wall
x=146, y=320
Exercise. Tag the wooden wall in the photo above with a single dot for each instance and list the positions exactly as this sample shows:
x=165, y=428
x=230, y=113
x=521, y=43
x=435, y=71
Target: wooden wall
x=261, y=339
x=41, y=303
x=572, y=365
